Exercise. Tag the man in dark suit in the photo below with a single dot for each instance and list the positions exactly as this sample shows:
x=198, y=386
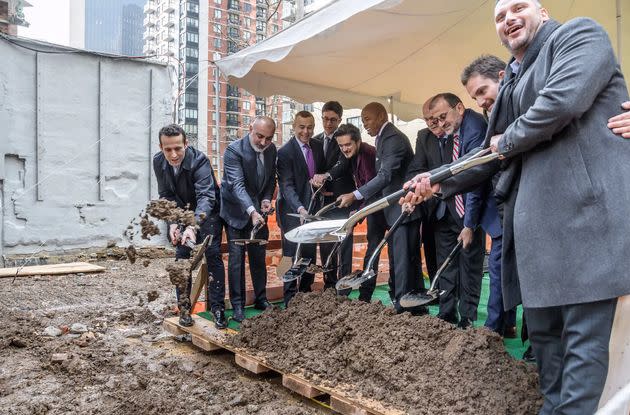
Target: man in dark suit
x=393, y=155
x=299, y=159
x=563, y=175
x=332, y=112
x=184, y=175
x=481, y=79
x=464, y=131
x=249, y=180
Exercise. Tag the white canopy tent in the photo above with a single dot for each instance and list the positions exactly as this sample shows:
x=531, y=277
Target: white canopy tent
x=357, y=51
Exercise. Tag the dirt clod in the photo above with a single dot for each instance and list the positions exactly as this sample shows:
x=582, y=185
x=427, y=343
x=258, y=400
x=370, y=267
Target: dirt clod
x=131, y=253
x=167, y=210
x=152, y=295
x=419, y=365
x=146, y=263
x=179, y=272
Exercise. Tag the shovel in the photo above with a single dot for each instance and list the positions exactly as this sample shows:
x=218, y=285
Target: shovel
x=356, y=278
x=337, y=230
x=252, y=236
x=417, y=298
x=319, y=215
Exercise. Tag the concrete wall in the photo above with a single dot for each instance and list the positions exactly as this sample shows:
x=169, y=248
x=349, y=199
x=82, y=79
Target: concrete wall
x=77, y=138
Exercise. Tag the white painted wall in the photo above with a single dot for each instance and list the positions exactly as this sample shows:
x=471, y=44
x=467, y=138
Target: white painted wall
x=60, y=187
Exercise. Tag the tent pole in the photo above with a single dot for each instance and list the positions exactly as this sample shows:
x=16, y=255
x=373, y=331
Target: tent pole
x=619, y=32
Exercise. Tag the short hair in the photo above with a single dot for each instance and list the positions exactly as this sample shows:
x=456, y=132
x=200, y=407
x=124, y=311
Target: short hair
x=349, y=129
x=487, y=66
x=265, y=119
x=303, y=114
x=449, y=97
x=171, y=130
x=333, y=106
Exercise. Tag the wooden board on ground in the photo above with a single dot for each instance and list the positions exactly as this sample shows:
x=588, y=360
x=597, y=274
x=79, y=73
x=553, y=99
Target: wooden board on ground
x=53, y=269
x=207, y=335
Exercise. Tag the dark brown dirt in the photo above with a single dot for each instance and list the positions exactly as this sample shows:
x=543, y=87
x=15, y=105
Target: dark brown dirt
x=179, y=272
x=152, y=295
x=148, y=228
x=146, y=263
x=125, y=363
x=131, y=254
x=167, y=210
x=420, y=365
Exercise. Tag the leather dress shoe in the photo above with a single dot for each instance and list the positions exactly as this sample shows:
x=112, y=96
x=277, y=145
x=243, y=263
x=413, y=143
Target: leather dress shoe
x=220, y=321
x=239, y=314
x=528, y=356
x=465, y=323
x=509, y=332
x=263, y=306
x=185, y=319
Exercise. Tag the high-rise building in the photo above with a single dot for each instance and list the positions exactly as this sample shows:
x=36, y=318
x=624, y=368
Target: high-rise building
x=12, y=16
x=112, y=26
x=161, y=30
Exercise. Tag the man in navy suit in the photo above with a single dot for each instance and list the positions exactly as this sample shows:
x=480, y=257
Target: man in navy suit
x=249, y=180
x=299, y=159
x=464, y=130
x=184, y=175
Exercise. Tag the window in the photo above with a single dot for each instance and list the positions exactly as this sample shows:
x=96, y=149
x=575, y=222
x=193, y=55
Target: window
x=356, y=121
x=260, y=108
x=214, y=146
x=247, y=8
x=217, y=28
x=218, y=2
x=233, y=18
x=217, y=42
x=190, y=128
x=190, y=98
x=192, y=67
x=261, y=13
x=232, y=105
x=192, y=7
x=247, y=120
x=275, y=28
x=192, y=22
x=233, y=32
x=261, y=26
x=308, y=107
x=192, y=37
x=247, y=22
x=247, y=106
x=217, y=13
x=232, y=46
x=192, y=52
x=260, y=37
x=232, y=91
x=233, y=4
x=232, y=120
x=247, y=36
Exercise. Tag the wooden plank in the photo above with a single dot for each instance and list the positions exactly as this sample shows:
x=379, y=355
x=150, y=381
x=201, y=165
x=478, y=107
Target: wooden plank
x=204, y=329
x=200, y=282
x=344, y=407
x=204, y=344
x=300, y=386
x=53, y=269
x=250, y=364
x=173, y=326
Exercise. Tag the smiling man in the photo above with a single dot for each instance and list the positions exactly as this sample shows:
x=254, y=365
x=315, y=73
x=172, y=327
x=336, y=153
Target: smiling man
x=184, y=175
x=563, y=187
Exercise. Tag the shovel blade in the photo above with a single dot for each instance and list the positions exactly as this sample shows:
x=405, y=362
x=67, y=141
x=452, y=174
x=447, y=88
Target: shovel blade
x=416, y=299
x=353, y=280
x=297, y=270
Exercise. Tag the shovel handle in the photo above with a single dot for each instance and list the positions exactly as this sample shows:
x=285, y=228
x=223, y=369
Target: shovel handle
x=381, y=244
x=445, y=265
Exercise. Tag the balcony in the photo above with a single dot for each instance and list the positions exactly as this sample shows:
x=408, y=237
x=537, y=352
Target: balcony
x=149, y=34
x=150, y=7
x=170, y=22
x=169, y=6
x=149, y=49
x=170, y=35
x=149, y=20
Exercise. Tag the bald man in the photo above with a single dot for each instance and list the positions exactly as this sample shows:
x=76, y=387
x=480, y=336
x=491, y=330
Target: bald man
x=393, y=155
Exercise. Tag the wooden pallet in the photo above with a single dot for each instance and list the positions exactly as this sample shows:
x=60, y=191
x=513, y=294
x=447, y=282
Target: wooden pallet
x=207, y=337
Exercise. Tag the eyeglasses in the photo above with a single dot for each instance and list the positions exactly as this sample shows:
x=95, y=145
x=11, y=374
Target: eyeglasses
x=330, y=120
x=434, y=121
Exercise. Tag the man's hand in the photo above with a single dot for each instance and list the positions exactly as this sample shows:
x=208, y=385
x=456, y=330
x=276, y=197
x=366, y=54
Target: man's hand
x=466, y=236
x=173, y=233
x=408, y=208
x=620, y=124
x=494, y=144
x=319, y=179
x=423, y=189
x=303, y=214
x=256, y=218
x=346, y=200
x=265, y=206
x=189, y=234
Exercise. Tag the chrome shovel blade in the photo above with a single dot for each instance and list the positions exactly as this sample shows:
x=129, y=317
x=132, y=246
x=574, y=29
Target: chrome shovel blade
x=353, y=280
x=416, y=299
x=317, y=232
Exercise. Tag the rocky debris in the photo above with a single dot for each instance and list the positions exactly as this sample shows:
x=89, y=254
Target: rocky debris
x=148, y=228
x=146, y=263
x=58, y=357
x=419, y=365
x=152, y=295
x=78, y=328
x=17, y=342
x=131, y=253
x=111, y=243
x=52, y=331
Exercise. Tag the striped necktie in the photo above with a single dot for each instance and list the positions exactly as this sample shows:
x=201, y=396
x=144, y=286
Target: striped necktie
x=459, y=199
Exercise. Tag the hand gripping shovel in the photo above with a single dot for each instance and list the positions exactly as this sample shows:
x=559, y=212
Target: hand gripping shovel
x=252, y=236
x=319, y=215
x=355, y=279
x=336, y=230
x=417, y=298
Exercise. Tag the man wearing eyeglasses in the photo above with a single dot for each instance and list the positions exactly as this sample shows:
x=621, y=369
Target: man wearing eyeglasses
x=249, y=180
x=331, y=118
x=461, y=130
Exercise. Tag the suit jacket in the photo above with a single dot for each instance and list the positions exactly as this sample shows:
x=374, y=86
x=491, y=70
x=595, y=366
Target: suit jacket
x=195, y=186
x=393, y=156
x=239, y=184
x=339, y=185
x=361, y=168
x=293, y=180
x=566, y=208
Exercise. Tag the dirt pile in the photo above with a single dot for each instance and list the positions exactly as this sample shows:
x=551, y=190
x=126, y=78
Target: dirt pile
x=420, y=365
x=179, y=272
x=167, y=210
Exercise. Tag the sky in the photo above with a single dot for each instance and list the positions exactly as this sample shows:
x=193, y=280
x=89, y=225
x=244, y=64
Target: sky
x=49, y=20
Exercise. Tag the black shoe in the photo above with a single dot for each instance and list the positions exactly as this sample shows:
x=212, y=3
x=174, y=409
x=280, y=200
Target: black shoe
x=528, y=356
x=239, y=314
x=465, y=323
x=185, y=319
x=263, y=306
x=219, y=319
x=448, y=319
x=509, y=332
x=418, y=311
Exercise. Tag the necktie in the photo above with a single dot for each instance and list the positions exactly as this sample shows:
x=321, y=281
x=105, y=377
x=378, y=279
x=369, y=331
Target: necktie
x=310, y=161
x=326, y=143
x=260, y=170
x=459, y=199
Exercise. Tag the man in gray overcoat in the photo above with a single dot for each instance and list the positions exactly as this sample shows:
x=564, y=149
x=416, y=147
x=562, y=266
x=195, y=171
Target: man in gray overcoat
x=564, y=190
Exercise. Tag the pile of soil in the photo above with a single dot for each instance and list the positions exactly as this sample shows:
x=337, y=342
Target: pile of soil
x=420, y=365
x=179, y=272
x=94, y=344
x=167, y=210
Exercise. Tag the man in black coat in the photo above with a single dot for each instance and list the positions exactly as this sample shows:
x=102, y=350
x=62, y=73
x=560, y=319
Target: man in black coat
x=249, y=180
x=332, y=112
x=299, y=159
x=184, y=175
x=393, y=155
